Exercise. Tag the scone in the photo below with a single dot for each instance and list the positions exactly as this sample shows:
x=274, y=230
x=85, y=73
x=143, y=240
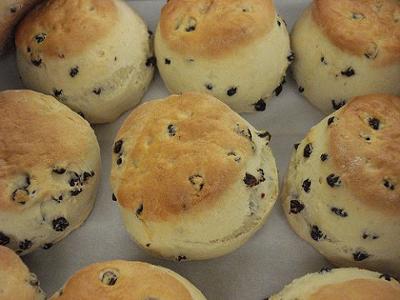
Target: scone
x=94, y=56
x=342, y=191
x=193, y=179
x=49, y=170
x=236, y=50
x=16, y=282
x=345, y=49
x=11, y=11
x=343, y=284
x=126, y=280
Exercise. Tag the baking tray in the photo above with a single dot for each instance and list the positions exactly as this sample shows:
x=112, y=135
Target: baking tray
x=267, y=262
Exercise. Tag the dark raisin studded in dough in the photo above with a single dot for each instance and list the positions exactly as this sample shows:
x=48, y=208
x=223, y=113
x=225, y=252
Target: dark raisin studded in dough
x=197, y=181
x=40, y=37
x=60, y=224
x=109, y=278
x=360, y=255
x=250, y=180
x=167, y=61
x=323, y=60
x=13, y=9
x=265, y=135
x=209, y=86
x=232, y=91
x=190, y=28
x=25, y=244
x=325, y=270
x=374, y=123
x=389, y=185
x=97, y=91
x=262, y=195
x=279, y=23
x=59, y=170
x=261, y=175
x=150, y=33
x=139, y=210
x=58, y=93
x=291, y=57
x=348, y=72
x=171, y=130
x=118, y=146
x=279, y=89
x=75, y=192
x=301, y=89
x=47, y=246
x=369, y=236
x=28, y=49
x=58, y=199
x=260, y=105
x=296, y=206
x=386, y=277
x=340, y=212
x=316, y=234
x=333, y=180
x=4, y=240
x=307, y=185
x=74, y=180
x=296, y=146
x=36, y=62
x=181, y=257
x=324, y=156
x=74, y=71
x=114, y=198
x=151, y=61
x=87, y=175
x=148, y=245
x=331, y=120
x=119, y=161
x=338, y=104
x=308, y=149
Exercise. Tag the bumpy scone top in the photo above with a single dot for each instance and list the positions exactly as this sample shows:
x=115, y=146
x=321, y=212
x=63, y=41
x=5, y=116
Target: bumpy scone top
x=66, y=27
x=181, y=156
x=364, y=145
x=16, y=282
x=214, y=28
x=38, y=135
x=125, y=281
x=367, y=27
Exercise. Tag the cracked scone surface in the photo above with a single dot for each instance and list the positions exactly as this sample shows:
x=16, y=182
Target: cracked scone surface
x=347, y=48
x=193, y=179
x=342, y=191
x=16, y=282
x=236, y=50
x=95, y=56
x=49, y=170
x=127, y=280
x=343, y=284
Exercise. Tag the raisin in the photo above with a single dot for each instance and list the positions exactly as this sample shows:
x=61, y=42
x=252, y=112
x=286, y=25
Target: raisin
x=306, y=185
x=308, y=149
x=323, y=60
x=25, y=245
x=119, y=161
x=148, y=245
x=339, y=211
x=181, y=257
x=59, y=171
x=13, y=9
x=151, y=61
x=114, y=198
x=265, y=135
x=291, y=57
x=331, y=120
x=325, y=270
x=232, y=91
x=97, y=91
x=109, y=278
x=75, y=192
x=197, y=181
x=36, y=62
x=60, y=224
x=279, y=23
x=139, y=210
x=301, y=89
x=28, y=49
x=4, y=240
x=316, y=234
x=190, y=28
x=348, y=72
x=47, y=246
x=296, y=146
x=368, y=236
x=58, y=93
x=118, y=146
x=75, y=179
x=387, y=277
x=374, y=123
x=279, y=89
x=74, y=71
x=40, y=37
x=339, y=104
x=171, y=130
x=260, y=105
x=324, y=156
x=209, y=86
x=87, y=175
x=262, y=195
x=296, y=206
x=333, y=180
x=360, y=255
x=250, y=180
x=150, y=33
x=58, y=199
x=262, y=178
x=167, y=61
x=389, y=185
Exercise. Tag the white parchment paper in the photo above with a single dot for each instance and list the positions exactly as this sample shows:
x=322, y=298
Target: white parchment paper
x=270, y=260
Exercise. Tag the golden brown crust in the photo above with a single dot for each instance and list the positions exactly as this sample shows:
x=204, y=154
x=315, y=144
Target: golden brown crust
x=167, y=168
x=134, y=281
x=365, y=144
x=213, y=28
x=69, y=26
x=367, y=27
x=358, y=289
x=36, y=133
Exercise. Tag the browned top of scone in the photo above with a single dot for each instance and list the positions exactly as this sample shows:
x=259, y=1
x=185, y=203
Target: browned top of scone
x=365, y=146
x=37, y=134
x=358, y=289
x=214, y=28
x=14, y=277
x=362, y=27
x=66, y=27
x=181, y=153
x=124, y=280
